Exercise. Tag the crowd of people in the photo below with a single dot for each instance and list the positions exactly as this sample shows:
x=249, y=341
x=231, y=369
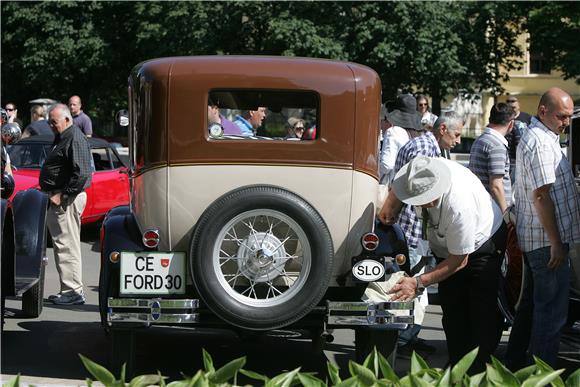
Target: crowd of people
x=458, y=216
x=453, y=217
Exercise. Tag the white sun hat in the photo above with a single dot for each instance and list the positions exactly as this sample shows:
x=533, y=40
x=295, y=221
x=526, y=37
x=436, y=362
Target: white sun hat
x=422, y=180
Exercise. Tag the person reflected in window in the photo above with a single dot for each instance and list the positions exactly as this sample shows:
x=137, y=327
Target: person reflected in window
x=295, y=128
x=250, y=120
x=215, y=117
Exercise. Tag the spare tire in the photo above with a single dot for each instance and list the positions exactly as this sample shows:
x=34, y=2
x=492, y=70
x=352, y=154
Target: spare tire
x=261, y=257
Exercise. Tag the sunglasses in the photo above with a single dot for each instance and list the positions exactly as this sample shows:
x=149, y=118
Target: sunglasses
x=422, y=104
x=299, y=127
x=10, y=110
x=512, y=100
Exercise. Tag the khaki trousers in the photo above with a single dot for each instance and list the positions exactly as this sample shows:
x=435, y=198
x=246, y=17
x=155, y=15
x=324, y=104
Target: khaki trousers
x=64, y=224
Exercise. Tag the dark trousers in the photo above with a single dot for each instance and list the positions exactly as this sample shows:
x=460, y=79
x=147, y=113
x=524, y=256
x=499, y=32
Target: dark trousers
x=471, y=316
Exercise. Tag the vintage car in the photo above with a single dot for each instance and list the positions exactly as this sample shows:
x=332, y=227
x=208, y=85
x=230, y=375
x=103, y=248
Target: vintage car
x=110, y=183
x=23, y=227
x=255, y=231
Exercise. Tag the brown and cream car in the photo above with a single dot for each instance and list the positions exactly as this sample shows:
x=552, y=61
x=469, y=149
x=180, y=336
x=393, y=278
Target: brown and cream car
x=253, y=230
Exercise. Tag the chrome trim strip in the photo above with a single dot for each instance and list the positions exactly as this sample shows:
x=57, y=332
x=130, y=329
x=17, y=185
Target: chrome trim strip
x=394, y=322
x=172, y=318
x=148, y=303
x=364, y=306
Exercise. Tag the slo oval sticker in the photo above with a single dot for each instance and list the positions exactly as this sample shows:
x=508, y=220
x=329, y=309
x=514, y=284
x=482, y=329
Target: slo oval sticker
x=368, y=270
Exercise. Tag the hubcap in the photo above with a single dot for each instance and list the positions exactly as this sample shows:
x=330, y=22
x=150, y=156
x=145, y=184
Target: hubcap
x=262, y=257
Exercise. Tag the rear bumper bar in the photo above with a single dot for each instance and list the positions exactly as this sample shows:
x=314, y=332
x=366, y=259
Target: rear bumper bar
x=385, y=315
x=152, y=311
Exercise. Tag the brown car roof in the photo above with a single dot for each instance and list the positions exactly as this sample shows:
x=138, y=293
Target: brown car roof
x=348, y=116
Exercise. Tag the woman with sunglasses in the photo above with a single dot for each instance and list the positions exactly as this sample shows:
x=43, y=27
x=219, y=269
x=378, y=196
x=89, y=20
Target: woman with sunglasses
x=427, y=118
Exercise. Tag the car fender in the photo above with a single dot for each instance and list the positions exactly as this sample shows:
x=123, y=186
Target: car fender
x=29, y=208
x=119, y=232
x=7, y=228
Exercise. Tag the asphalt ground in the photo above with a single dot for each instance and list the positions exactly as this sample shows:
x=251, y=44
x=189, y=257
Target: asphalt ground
x=45, y=350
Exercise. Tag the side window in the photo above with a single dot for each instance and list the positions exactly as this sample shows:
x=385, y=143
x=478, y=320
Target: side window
x=263, y=115
x=101, y=159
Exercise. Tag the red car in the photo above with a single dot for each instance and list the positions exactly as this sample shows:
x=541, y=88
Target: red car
x=110, y=184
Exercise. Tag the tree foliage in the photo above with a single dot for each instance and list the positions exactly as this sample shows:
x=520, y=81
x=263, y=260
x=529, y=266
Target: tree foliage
x=554, y=28
x=56, y=49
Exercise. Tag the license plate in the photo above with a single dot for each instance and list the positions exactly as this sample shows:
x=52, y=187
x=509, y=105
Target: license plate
x=152, y=272
x=368, y=269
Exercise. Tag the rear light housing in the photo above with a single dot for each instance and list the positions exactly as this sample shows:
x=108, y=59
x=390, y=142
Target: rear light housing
x=151, y=238
x=370, y=241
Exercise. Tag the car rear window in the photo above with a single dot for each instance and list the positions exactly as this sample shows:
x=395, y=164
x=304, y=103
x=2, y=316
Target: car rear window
x=251, y=114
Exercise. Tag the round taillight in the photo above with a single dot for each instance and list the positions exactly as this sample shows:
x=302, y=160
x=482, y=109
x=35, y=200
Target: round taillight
x=114, y=257
x=370, y=241
x=151, y=238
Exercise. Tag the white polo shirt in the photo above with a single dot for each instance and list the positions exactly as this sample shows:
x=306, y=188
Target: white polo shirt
x=465, y=217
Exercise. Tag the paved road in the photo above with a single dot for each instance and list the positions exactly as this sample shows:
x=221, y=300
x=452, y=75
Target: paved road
x=45, y=350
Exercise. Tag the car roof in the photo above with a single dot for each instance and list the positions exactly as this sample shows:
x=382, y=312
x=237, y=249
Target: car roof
x=49, y=139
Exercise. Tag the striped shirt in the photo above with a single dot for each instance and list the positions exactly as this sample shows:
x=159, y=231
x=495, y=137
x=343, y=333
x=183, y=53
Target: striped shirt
x=425, y=145
x=490, y=157
x=540, y=161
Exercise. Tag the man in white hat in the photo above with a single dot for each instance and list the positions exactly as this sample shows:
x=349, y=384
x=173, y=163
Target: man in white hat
x=445, y=135
x=466, y=232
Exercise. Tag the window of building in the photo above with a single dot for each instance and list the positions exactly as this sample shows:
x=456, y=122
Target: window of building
x=539, y=64
x=263, y=115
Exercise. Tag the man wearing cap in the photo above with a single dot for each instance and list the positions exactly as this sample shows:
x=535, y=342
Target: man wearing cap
x=547, y=207
x=466, y=232
x=446, y=134
x=406, y=124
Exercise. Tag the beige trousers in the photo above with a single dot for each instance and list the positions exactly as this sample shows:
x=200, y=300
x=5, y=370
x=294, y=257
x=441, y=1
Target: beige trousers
x=64, y=224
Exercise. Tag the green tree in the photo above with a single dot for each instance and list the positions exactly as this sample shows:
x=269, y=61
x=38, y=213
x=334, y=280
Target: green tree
x=554, y=28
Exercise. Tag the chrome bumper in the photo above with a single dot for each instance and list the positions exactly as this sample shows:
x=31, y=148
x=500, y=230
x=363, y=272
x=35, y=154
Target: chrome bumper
x=394, y=315
x=152, y=311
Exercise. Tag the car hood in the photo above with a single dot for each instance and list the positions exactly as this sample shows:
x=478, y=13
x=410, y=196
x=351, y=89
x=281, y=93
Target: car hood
x=25, y=179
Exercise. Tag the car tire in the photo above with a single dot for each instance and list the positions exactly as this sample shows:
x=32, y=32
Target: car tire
x=385, y=340
x=261, y=257
x=33, y=298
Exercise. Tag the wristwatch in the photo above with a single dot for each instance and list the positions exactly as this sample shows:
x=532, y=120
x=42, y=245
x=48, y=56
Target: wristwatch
x=420, y=288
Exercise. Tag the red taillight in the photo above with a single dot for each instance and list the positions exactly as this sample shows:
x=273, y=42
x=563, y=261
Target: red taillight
x=370, y=241
x=151, y=238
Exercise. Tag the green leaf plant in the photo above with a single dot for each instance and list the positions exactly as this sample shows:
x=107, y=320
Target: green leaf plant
x=375, y=371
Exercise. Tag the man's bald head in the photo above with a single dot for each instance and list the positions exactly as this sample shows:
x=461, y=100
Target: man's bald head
x=75, y=104
x=555, y=109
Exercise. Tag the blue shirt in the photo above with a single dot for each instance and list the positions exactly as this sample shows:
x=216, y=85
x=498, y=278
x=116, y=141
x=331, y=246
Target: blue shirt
x=425, y=145
x=245, y=126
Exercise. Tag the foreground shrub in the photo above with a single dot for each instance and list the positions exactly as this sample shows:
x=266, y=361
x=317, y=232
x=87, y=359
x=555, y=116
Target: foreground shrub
x=375, y=371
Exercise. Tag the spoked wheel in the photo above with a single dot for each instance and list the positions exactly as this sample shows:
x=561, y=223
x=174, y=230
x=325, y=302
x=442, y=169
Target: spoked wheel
x=261, y=258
